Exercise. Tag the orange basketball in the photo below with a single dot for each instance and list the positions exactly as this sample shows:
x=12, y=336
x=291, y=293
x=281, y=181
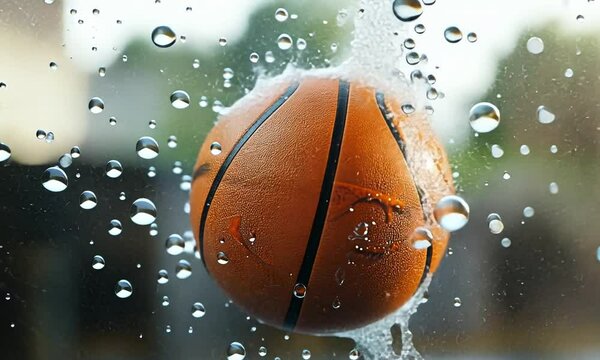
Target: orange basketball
x=304, y=206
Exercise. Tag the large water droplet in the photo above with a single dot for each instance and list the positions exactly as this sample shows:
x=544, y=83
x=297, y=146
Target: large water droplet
x=143, y=211
x=281, y=14
x=183, y=270
x=453, y=34
x=452, y=212
x=123, y=289
x=421, y=238
x=55, y=179
x=88, y=200
x=544, y=115
x=163, y=36
x=407, y=10
x=284, y=41
x=147, y=148
x=65, y=161
x=236, y=351
x=198, y=310
x=175, y=244
x=96, y=105
x=114, y=169
x=535, y=45
x=484, y=117
x=180, y=99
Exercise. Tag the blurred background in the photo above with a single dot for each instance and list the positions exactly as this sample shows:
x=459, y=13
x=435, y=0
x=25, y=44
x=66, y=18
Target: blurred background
x=528, y=287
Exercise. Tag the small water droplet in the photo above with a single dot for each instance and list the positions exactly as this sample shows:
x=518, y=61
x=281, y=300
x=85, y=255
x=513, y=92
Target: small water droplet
x=198, y=310
x=55, y=179
x=457, y=302
x=284, y=41
x=115, y=227
x=453, y=34
x=53, y=65
x=114, y=169
x=544, y=115
x=96, y=105
x=407, y=10
x=123, y=289
x=222, y=258
x=151, y=172
x=165, y=301
x=336, y=304
x=163, y=276
x=147, y=148
x=412, y=58
x=419, y=28
x=354, y=354
x=528, y=212
x=180, y=99
x=88, y=200
x=215, y=148
x=569, y=73
x=306, y=354
x=143, y=211
x=172, y=141
x=281, y=14
x=5, y=152
x=497, y=151
x=98, y=262
x=452, y=212
x=163, y=37
x=300, y=44
x=262, y=351
x=535, y=45
x=183, y=270
x=421, y=238
x=505, y=242
x=236, y=351
x=222, y=41
x=553, y=188
x=472, y=37
x=495, y=223
x=484, y=117
x=300, y=290
x=524, y=150
x=269, y=57
x=175, y=244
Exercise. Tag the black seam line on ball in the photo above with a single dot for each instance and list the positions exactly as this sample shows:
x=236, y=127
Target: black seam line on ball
x=316, y=231
x=234, y=151
x=402, y=145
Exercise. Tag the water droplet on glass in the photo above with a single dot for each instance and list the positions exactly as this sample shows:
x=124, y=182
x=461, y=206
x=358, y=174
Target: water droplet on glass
x=281, y=14
x=114, y=169
x=123, y=289
x=122, y=196
x=180, y=99
x=569, y=73
x=457, y=302
x=175, y=244
x=300, y=290
x=254, y=57
x=336, y=304
x=580, y=18
x=172, y=141
x=143, y=212
x=53, y=65
x=198, y=310
x=472, y=37
x=354, y=354
x=5, y=152
x=505, y=242
x=75, y=152
x=419, y=28
x=165, y=301
x=183, y=270
x=98, y=262
x=262, y=351
x=64, y=161
x=544, y=115
x=151, y=172
x=553, y=188
x=55, y=179
x=407, y=10
x=535, y=45
x=236, y=351
x=484, y=117
x=495, y=223
x=115, y=227
x=163, y=276
x=215, y=148
x=222, y=41
x=421, y=238
x=177, y=169
x=163, y=36
x=203, y=101
x=88, y=200
x=305, y=354
x=284, y=41
x=412, y=58
x=432, y=93
x=222, y=258
x=453, y=34
x=409, y=43
x=524, y=150
x=300, y=44
x=96, y=105
x=40, y=134
x=528, y=212
x=452, y=212
x=269, y=57
x=408, y=109
x=553, y=149
x=147, y=148
x=497, y=151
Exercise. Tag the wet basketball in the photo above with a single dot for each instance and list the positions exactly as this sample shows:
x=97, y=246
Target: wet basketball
x=307, y=207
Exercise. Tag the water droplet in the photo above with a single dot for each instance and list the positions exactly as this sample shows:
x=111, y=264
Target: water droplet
x=198, y=310
x=153, y=229
x=506, y=175
x=50, y=137
x=96, y=105
x=88, y=200
x=5, y=152
x=407, y=10
x=53, y=65
x=55, y=179
x=453, y=34
x=172, y=141
x=528, y=212
x=569, y=73
x=300, y=44
x=269, y=57
x=262, y=351
x=336, y=304
x=177, y=169
x=419, y=28
x=151, y=172
x=306, y=354
x=457, y=302
x=300, y=290
x=472, y=37
x=180, y=99
x=115, y=227
x=147, y=148
x=412, y=58
x=165, y=301
x=524, y=150
x=183, y=270
x=163, y=276
x=553, y=187
x=544, y=115
x=215, y=148
x=222, y=41
x=354, y=354
x=40, y=134
x=95, y=11
x=505, y=242
x=98, y=262
x=143, y=212
x=495, y=223
x=409, y=43
x=186, y=183
x=65, y=161
x=175, y=244
x=222, y=258
x=123, y=289
x=114, y=169
x=553, y=149
x=497, y=151
x=421, y=238
x=484, y=117
x=254, y=57
x=432, y=93
x=535, y=45
x=281, y=14
x=598, y=253
x=122, y=196
x=580, y=18
x=452, y=212
x=284, y=41
x=75, y=152
x=163, y=36
x=340, y=276
x=236, y=351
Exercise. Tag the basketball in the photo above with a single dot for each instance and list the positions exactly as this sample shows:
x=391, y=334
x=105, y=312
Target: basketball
x=305, y=208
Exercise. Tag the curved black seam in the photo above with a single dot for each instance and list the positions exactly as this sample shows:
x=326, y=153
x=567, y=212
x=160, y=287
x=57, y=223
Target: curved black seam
x=402, y=145
x=316, y=230
x=234, y=151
